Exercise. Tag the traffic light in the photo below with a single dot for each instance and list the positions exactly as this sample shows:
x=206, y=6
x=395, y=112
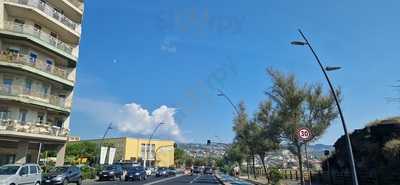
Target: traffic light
x=208, y=142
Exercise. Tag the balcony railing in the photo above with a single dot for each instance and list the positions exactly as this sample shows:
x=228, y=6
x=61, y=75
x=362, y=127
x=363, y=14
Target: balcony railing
x=77, y=4
x=45, y=8
x=43, y=36
x=6, y=56
x=33, y=94
x=33, y=128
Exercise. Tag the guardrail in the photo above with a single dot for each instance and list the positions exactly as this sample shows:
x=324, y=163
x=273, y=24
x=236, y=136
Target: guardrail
x=33, y=128
x=6, y=56
x=24, y=92
x=43, y=36
x=50, y=11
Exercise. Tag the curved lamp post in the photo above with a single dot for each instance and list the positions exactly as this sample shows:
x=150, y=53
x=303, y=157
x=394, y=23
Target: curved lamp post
x=348, y=142
x=221, y=93
x=148, y=148
x=102, y=139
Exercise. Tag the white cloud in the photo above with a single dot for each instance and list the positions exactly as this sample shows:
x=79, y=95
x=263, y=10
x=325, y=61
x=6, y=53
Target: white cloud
x=132, y=118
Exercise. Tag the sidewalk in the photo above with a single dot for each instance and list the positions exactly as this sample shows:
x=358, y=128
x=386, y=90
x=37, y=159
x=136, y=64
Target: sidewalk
x=263, y=180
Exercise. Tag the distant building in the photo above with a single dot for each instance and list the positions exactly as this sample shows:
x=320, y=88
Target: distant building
x=73, y=138
x=134, y=150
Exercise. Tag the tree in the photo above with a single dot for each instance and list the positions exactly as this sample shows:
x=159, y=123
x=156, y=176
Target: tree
x=267, y=131
x=77, y=150
x=241, y=129
x=300, y=106
x=180, y=156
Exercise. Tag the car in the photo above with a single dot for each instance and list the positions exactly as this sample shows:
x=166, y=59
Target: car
x=171, y=171
x=149, y=171
x=20, y=174
x=111, y=172
x=63, y=175
x=136, y=173
x=208, y=171
x=162, y=172
x=196, y=170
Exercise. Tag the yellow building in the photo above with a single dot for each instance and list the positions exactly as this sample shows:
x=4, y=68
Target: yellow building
x=134, y=150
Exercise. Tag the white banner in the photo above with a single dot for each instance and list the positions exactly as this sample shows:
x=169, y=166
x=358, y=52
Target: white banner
x=103, y=153
x=111, y=155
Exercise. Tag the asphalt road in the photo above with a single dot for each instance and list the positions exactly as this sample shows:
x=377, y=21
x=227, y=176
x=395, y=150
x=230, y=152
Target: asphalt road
x=178, y=180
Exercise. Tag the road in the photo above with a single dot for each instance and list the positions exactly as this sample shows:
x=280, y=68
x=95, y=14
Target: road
x=178, y=180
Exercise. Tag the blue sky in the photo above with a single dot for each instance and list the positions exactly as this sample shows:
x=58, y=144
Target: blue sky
x=172, y=55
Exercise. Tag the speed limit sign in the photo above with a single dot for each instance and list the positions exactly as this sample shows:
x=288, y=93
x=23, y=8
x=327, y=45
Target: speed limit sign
x=304, y=134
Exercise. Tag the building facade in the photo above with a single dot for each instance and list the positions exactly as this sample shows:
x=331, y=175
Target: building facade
x=161, y=152
x=39, y=47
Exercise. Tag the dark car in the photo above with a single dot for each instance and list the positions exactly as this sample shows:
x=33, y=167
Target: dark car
x=171, y=171
x=208, y=171
x=63, y=175
x=111, y=172
x=196, y=170
x=136, y=173
x=162, y=172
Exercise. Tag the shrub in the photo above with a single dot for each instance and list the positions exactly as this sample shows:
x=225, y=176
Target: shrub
x=276, y=176
x=88, y=172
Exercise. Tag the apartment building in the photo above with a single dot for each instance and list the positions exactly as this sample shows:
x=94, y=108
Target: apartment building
x=39, y=48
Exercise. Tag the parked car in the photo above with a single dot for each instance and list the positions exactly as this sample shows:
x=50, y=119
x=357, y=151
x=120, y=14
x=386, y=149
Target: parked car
x=171, y=171
x=136, y=173
x=111, y=172
x=208, y=171
x=20, y=174
x=63, y=175
x=162, y=172
x=149, y=171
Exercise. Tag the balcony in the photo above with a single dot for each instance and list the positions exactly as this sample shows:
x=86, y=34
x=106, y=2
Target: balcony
x=20, y=59
x=42, y=36
x=14, y=127
x=50, y=11
x=33, y=96
x=78, y=4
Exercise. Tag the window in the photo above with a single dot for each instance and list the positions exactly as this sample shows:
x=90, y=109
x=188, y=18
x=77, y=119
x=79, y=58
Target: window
x=4, y=113
x=28, y=86
x=22, y=116
x=24, y=170
x=49, y=64
x=19, y=21
x=33, y=57
x=33, y=170
x=7, y=85
x=59, y=122
x=19, y=25
x=54, y=35
x=14, y=50
x=40, y=118
x=37, y=27
x=45, y=90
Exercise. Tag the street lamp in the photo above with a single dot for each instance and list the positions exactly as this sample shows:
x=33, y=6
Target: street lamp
x=104, y=136
x=148, y=148
x=221, y=93
x=348, y=142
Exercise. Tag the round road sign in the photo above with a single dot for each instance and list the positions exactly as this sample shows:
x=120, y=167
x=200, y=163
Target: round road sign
x=304, y=134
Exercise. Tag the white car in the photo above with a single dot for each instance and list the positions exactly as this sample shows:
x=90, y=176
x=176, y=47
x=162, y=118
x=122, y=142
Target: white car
x=20, y=174
x=148, y=171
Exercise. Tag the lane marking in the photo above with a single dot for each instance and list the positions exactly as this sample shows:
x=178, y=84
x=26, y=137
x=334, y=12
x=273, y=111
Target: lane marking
x=162, y=180
x=191, y=182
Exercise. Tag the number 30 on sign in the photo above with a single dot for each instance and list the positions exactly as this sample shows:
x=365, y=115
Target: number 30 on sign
x=304, y=134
